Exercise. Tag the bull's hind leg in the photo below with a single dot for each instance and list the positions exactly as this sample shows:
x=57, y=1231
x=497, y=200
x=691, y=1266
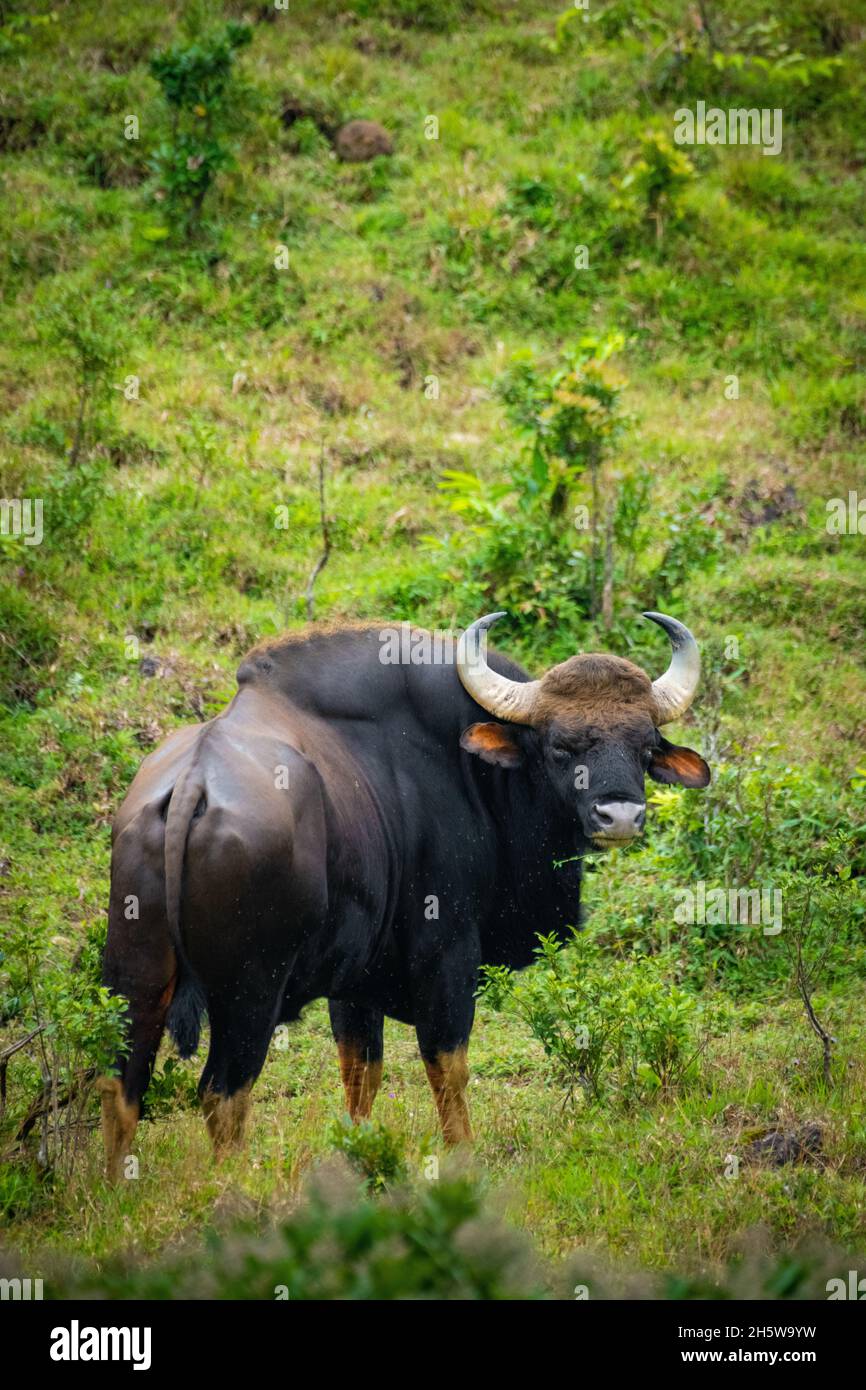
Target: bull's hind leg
x=242, y=1023
x=254, y=892
x=226, y=1118
x=357, y=1032
x=140, y=964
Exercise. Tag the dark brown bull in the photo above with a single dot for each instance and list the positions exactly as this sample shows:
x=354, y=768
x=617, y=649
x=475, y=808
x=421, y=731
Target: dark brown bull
x=294, y=848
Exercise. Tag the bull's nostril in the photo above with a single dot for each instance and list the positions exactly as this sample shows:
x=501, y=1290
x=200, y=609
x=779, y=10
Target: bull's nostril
x=619, y=820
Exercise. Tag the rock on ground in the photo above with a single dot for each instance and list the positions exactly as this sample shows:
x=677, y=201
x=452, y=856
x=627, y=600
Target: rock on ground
x=360, y=140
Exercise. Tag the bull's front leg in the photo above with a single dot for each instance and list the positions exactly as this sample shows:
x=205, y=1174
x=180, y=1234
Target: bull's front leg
x=444, y=1014
x=357, y=1030
x=448, y=1074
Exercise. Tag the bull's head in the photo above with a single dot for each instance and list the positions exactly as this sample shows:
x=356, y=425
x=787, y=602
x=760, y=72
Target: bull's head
x=595, y=728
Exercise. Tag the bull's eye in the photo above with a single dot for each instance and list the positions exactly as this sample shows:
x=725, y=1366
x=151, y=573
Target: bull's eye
x=561, y=753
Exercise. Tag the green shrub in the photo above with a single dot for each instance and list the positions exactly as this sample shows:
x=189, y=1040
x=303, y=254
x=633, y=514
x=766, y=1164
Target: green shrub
x=86, y=329
x=622, y=1027
x=658, y=179
x=78, y=1029
x=441, y=1242
x=520, y=542
x=571, y=418
x=755, y=817
x=196, y=82
x=747, y=65
x=566, y=541
x=372, y=1149
x=754, y=828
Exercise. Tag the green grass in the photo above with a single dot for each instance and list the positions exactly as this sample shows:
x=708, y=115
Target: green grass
x=441, y=260
x=646, y=1184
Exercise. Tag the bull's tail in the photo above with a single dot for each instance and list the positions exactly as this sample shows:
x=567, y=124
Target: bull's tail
x=188, y=1003
x=185, y=1011
x=188, y=792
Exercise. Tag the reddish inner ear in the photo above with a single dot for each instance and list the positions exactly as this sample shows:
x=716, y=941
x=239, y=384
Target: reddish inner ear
x=492, y=742
x=679, y=766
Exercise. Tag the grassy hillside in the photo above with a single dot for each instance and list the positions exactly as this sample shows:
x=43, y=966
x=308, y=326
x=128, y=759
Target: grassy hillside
x=170, y=393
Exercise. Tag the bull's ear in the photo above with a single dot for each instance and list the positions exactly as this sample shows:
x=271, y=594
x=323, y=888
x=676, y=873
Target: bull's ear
x=679, y=766
x=495, y=743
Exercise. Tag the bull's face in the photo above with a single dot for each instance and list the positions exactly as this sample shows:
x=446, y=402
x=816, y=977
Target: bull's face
x=590, y=729
x=599, y=774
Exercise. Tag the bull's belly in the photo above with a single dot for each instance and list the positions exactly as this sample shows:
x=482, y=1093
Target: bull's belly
x=392, y=1005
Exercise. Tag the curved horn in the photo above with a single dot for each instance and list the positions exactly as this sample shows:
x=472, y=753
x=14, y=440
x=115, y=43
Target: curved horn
x=675, y=690
x=513, y=701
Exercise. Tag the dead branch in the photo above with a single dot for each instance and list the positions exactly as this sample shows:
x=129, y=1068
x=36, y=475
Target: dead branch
x=51, y=1100
x=820, y=1030
x=326, y=539
x=805, y=978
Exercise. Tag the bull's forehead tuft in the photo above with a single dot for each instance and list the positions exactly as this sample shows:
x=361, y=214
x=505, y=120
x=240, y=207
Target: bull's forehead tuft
x=603, y=688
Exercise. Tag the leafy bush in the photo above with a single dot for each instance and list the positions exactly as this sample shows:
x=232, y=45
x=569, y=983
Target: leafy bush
x=566, y=538
x=571, y=418
x=86, y=329
x=748, y=64
x=519, y=544
x=196, y=81
x=753, y=828
x=438, y=1242
x=371, y=1148
x=77, y=1030
x=623, y=1027
x=756, y=817
x=659, y=178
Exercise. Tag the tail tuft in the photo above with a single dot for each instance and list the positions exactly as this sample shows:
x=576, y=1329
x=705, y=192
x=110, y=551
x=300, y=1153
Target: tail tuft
x=185, y=1013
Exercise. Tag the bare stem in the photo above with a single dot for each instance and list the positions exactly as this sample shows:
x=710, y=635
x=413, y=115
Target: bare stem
x=326, y=539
